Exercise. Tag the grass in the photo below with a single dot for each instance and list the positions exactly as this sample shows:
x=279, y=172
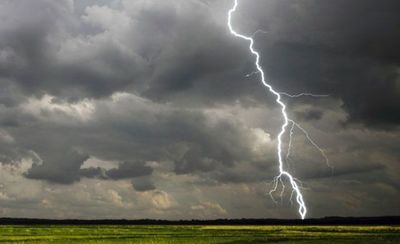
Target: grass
x=198, y=234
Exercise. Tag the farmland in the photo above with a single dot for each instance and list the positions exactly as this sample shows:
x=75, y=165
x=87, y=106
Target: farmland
x=197, y=234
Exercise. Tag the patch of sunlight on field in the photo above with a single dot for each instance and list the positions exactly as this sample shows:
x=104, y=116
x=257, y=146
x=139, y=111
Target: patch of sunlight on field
x=199, y=234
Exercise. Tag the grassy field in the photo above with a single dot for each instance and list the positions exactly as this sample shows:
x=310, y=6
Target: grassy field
x=199, y=234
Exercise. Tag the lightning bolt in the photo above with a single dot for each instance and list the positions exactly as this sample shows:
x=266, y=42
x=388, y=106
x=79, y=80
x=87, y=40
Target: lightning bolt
x=290, y=143
x=252, y=73
x=303, y=95
x=312, y=143
x=302, y=209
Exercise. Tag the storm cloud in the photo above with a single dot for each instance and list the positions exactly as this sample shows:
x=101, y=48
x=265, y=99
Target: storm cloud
x=147, y=106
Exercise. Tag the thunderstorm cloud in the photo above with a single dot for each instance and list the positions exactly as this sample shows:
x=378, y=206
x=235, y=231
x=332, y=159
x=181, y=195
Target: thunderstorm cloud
x=146, y=109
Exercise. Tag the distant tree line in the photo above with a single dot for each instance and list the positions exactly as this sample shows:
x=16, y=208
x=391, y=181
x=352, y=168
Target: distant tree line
x=386, y=220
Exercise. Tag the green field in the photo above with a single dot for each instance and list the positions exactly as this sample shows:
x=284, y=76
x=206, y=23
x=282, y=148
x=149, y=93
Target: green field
x=199, y=234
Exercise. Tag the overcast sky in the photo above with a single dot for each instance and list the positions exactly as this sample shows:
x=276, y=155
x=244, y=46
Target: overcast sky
x=144, y=109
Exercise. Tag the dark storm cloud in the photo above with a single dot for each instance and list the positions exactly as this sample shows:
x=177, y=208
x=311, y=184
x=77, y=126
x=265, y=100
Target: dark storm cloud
x=177, y=51
x=311, y=114
x=129, y=170
x=125, y=170
x=32, y=44
x=343, y=170
x=308, y=48
x=348, y=49
x=58, y=167
x=159, y=50
x=126, y=128
x=138, y=172
x=143, y=184
x=160, y=87
x=93, y=172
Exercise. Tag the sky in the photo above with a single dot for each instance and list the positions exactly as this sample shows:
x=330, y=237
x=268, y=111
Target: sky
x=145, y=109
